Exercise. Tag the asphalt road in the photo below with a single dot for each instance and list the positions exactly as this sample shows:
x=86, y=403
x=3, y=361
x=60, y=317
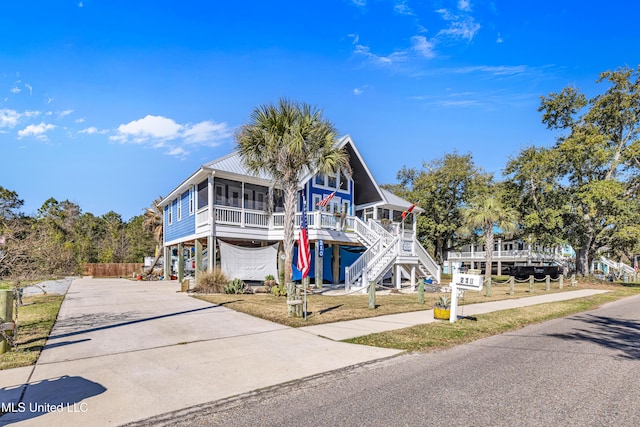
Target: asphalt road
x=583, y=370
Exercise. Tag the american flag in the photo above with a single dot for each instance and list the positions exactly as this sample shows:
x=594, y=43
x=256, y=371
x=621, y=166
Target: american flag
x=324, y=202
x=304, y=255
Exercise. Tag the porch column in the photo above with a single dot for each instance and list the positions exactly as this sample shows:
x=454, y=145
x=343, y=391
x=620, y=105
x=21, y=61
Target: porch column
x=413, y=277
x=167, y=262
x=242, y=207
x=198, y=256
x=335, y=263
x=398, y=276
x=318, y=266
x=499, y=268
x=211, y=253
x=415, y=224
x=210, y=203
x=180, y=262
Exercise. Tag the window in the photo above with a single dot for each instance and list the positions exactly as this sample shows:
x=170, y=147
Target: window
x=235, y=197
x=383, y=213
x=332, y=181
x=278, y=200
x=179, y=203
x=345, y=207
x=316, y=200
x=220, y=195
x=319, y=180
x=260, y=201
x=192, y=199
x=169, y=215
x=203, y=194
x=255, y=196
x=344, y=182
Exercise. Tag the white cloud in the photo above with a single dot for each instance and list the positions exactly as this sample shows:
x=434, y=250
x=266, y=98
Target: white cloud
x=37, y=131
x=80, y=4
x=89, y=131
x=359, y=3
x=177, y=152
x=15, y=89
x=423, y=46
x=464, y=29
x=464, y=5
x=206, y=133
x=8, y=118
x=395, y=57
x=80, y=120
x=150, y=127
x=357, y=91
x=402, y=8
x=499, y=39
x=28, y=86
x=355, y=38
x=61, y=114
x=163, y=132
x=500, y=70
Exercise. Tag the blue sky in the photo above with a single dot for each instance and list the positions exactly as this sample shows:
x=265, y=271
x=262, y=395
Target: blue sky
x=112, y=103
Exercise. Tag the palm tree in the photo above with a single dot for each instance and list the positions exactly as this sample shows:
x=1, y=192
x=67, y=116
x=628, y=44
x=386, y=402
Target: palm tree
x=153, y=223
x=486, y=214
x=285, y=141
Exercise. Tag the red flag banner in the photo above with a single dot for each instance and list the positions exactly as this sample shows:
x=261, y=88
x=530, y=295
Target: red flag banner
x=304, y=254
x=408, y=211
x=324, y=202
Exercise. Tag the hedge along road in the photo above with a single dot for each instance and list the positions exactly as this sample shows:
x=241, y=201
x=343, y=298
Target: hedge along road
x=581, y=370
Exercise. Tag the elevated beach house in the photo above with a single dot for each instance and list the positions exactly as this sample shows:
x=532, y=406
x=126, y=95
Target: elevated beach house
x=224, y=216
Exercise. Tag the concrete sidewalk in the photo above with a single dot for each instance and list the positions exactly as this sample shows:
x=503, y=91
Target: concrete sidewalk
x=123, y=351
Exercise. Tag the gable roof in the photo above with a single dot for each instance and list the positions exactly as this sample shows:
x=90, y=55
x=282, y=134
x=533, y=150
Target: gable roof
x=368, y=191
x=232, y=163
x=398, y=202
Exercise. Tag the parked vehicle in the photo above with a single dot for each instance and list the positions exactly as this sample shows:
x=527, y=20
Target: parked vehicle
x=522, y=272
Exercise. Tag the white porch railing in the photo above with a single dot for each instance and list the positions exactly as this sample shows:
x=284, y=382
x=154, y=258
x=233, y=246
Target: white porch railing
x=620, y=266
x=428, y=262
x=366, y=235
x=355, y=270
x=519, y=254
x=202, y=217
x=387, y=236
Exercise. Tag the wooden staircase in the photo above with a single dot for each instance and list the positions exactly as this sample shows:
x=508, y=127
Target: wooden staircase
x=384, y=251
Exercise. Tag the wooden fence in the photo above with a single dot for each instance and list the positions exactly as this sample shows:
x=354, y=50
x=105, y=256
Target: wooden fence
x=112, y=269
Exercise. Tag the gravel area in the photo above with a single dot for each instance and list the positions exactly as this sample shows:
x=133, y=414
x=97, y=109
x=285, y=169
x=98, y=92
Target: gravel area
x=54, y=287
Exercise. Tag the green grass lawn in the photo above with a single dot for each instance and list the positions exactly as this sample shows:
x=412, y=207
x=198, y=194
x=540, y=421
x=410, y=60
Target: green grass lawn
x=35, y=321
x=443, y=334
x=327, y=309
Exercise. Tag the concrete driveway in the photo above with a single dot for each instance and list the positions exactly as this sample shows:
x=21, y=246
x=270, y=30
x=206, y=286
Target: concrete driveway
x=122, y=351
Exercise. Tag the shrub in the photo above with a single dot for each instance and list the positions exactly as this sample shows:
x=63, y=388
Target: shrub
x=236, y=286
x=443, y=302
x=211, y=282
x=279, y=290
x=269, y=282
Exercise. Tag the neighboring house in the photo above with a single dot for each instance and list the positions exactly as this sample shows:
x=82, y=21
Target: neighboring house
x=235, y=219
x=507, y=254
x=608, y=267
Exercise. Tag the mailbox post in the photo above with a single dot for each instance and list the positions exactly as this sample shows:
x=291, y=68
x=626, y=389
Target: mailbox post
x=472, y=282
